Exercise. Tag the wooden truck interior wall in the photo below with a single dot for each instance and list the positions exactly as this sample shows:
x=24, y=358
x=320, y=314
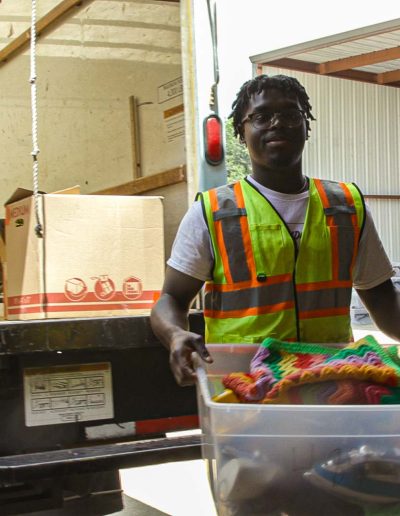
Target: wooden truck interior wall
x=99, y=65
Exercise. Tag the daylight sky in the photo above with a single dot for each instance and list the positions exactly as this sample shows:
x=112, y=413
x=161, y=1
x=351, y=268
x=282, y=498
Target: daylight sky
x=255, y=26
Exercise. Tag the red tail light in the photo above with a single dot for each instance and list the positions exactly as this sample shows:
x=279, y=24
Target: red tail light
x=213, y=140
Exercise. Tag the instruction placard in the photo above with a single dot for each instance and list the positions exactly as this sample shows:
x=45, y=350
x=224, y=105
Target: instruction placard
x=67, y=394
x=174, y=121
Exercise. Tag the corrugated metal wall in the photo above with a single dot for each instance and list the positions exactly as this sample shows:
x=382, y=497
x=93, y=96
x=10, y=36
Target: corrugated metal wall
x=356, y=137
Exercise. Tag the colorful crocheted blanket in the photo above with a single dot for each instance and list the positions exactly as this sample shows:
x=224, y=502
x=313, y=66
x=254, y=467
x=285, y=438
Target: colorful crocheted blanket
x=363, y=372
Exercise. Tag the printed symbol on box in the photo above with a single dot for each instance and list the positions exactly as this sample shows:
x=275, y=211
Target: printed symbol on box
x=75, y=289
x=77, y=401
x=59, y=384
x=77, y=383
x=132, y=287
x=95, y=382
x=96, y=399
x=57, y=403
x=19, y=223
x=39, y=385
x=104, y=287
x=40, y=404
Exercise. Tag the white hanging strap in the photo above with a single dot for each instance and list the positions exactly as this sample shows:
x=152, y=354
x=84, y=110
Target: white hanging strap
x=212, y=17
x=35, y=150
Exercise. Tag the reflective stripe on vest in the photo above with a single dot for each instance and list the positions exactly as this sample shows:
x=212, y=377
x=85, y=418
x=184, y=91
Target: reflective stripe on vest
x=230, y=222
x=276, y=295
x=291, y=287
x=339, y=208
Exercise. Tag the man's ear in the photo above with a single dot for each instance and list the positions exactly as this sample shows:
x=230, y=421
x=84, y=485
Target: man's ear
x=242, y=140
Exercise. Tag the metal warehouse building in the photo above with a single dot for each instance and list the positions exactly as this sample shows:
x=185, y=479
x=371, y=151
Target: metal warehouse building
x=353, y=80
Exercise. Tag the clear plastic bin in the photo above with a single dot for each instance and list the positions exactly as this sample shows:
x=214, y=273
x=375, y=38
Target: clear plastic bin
x=265, y=459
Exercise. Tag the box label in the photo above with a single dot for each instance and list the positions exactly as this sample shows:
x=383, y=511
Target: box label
x=67, y=394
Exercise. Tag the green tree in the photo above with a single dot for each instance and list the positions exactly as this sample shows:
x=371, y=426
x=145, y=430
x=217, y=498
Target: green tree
x=237, y=158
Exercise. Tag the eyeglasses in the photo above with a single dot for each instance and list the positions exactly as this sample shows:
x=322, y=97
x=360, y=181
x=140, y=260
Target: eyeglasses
x=290, y=118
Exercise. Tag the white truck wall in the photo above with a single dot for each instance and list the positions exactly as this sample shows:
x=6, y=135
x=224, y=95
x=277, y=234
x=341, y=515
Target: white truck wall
x=356, y=137
x=84, y=124
x=198, y=79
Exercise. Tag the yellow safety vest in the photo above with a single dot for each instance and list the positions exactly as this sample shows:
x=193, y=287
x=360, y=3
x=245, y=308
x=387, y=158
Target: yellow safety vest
x=262, y=285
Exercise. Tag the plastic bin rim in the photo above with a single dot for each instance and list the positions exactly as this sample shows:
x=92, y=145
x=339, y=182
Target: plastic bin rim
x=202, y=385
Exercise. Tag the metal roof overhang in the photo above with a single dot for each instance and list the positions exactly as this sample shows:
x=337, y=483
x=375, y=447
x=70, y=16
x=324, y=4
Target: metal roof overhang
x=370, y=54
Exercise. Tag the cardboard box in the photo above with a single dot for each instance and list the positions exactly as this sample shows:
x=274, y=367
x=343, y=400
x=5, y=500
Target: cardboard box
x=100, y=255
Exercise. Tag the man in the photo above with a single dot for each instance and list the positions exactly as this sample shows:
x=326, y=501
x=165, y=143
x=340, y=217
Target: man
x=279, y=251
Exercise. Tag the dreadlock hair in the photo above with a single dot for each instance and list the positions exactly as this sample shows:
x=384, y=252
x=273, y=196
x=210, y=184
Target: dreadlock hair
x=264, y=82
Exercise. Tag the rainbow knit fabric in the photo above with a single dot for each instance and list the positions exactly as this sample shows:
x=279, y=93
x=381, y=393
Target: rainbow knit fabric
x=362, y=372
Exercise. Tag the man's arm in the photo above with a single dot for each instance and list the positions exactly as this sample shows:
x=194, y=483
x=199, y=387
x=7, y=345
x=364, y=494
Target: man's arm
x=383, y=304
x=169, y=321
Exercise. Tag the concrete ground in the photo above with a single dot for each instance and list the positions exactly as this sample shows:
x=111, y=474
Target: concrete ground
x=176, y=489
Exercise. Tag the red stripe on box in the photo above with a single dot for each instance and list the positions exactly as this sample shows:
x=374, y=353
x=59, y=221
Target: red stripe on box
x=26, y=310
x=31, y=299
x=170, y=424
x=90, y=297
x=75, y=307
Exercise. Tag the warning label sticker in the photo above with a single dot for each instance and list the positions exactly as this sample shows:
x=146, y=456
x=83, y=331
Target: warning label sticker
x=67, y=394
x=174, y=120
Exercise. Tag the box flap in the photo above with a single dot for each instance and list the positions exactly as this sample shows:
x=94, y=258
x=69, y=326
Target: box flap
x=71, y=190
x=22, y=193
x=18, y=195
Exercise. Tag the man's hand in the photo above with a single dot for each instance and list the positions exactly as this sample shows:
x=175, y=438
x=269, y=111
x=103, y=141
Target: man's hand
x=169, y=321
x=183, y=344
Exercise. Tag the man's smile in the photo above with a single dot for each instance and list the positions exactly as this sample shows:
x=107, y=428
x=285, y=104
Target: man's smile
x=276, y=137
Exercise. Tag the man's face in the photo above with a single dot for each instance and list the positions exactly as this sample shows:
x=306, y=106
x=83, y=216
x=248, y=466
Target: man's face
x=278, y=145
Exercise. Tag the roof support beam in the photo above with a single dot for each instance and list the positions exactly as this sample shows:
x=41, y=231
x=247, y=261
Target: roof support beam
x=308, y=66
x=389, y=77
x=19, y=43
x=368, y=58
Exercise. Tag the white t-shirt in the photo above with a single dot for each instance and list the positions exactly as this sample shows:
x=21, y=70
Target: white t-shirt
x=193, y=255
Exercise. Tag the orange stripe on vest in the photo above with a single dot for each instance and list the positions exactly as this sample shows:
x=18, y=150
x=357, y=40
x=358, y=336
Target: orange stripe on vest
x=240, y=285
x=220, y=237
x=254, y=311
x=322, y=285
x=328, y=312
x=245, y=231
x=354, y=222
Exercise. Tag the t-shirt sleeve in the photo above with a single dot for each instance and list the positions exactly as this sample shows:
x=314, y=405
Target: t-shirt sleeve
x=192, y=250
x=372, y=266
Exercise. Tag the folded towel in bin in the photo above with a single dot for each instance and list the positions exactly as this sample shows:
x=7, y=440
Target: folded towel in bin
x=362, y=372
